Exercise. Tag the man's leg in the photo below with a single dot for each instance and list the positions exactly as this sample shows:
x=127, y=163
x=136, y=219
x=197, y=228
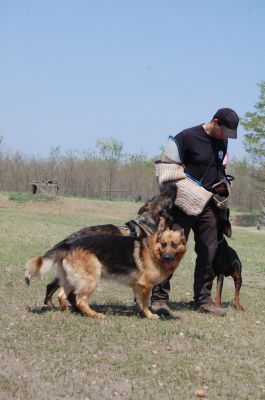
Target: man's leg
x=205, y=236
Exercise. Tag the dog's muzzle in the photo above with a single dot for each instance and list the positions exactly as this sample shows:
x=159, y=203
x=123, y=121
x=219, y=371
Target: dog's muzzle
x=168, y=260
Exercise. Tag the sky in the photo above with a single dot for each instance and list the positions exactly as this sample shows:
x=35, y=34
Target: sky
x=75, y=71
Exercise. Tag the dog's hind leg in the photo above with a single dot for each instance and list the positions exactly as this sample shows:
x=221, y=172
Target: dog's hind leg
x=50, y=290
x=82, y=298
x=219, y=288
x=142, y=295
x=81, y=274
x=83, y=294
x=72, y=300
x=63, y=299
x=236, y=275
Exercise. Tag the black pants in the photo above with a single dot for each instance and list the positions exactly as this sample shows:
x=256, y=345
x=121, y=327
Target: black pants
x=205, y=235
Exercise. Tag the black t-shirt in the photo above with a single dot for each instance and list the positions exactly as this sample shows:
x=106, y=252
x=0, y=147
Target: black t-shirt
x=196, y=150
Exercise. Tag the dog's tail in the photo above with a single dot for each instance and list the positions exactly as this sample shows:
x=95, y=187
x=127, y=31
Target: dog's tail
x=40, y=265
x=37, y=266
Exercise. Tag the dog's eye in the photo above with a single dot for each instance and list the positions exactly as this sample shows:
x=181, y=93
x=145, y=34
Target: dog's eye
x=174, y=245
x=163, y=245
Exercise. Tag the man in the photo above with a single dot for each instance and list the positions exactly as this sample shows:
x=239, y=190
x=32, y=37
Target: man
x=201, y=150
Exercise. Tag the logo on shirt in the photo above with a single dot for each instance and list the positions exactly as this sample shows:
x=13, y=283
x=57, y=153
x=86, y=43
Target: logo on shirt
x=220, y=154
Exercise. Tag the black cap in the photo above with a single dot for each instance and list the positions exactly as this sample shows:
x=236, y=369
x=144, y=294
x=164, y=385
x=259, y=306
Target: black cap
x=228, y=120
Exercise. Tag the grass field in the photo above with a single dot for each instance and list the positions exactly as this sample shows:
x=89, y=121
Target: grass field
x=55, y=355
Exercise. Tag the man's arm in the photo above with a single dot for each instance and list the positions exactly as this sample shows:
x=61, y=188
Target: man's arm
x=172, y=151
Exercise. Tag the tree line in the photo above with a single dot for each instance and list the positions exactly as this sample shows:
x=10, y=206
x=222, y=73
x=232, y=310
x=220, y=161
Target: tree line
x=109, y=172
x=115, y=175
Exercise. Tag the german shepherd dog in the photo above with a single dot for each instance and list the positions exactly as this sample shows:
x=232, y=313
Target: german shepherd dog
x=138, y=263
x=145, y=223
x=226, y=263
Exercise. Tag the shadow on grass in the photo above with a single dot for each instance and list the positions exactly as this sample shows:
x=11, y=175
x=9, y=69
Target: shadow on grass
x=186, y=305
x=108, y=309
x=180, y=305
x=42, y=309
x=116, y=309
x=120, y=309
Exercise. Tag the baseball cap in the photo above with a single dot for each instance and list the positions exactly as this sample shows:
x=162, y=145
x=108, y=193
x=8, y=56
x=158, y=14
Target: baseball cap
x=228, y=120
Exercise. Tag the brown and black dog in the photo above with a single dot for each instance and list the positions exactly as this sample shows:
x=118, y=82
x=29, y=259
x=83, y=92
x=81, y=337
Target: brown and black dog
x=145, y=223
x=226, y=262
x=138, y=263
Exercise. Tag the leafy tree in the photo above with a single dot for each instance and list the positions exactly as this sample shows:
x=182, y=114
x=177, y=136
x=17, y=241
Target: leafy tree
x=254, y=124
x=110, y=148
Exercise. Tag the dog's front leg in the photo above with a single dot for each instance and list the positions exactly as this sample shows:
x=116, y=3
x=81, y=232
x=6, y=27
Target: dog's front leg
x=219, y=288
x=142, y=294
x=236, y=275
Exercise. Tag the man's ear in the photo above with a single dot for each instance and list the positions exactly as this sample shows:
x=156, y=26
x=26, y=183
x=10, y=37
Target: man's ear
x=216, y=121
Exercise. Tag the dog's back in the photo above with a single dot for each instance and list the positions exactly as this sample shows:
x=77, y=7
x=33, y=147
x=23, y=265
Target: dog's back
x=115, y=253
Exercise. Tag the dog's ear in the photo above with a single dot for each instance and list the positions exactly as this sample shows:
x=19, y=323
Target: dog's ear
x=161, y=227
x=168, y=191
x=144, y=208
x=183, y=237
x=177, y=227
x=228, y=230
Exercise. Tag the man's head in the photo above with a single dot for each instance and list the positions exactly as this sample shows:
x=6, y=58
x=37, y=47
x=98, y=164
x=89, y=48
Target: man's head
x=223, y=124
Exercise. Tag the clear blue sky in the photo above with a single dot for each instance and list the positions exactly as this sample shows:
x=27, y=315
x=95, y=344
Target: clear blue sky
x=74, y=71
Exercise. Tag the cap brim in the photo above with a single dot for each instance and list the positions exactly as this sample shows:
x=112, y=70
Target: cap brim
x=229, y=133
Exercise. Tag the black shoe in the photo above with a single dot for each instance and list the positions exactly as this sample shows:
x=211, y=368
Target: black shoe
x=210, y=309
x=192, y=304
x=161, y=308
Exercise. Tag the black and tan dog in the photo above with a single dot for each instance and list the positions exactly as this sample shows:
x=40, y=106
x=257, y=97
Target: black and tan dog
x=138, y=263
x=227, y=263
x=145, y=223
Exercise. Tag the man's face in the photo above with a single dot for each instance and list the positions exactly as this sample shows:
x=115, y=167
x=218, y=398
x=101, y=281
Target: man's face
x=217, y=131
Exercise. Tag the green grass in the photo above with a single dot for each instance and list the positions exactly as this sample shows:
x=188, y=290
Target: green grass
x=66, y=356
x=24, y=196
x=251, y=211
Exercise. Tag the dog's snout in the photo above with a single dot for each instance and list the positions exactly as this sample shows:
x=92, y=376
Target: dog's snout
x=169, y=257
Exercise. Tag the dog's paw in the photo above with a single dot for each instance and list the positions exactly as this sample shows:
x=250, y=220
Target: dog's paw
x=239, y=307
x=99, y=315
x=47, y=307
x=153, y=317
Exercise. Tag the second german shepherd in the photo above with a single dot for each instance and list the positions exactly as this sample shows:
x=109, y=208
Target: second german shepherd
x=140, y=264
x=143, y=225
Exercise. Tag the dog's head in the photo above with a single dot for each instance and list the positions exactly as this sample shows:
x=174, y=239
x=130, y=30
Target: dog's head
x=224, y=225
x=159, y=206
x=170, y=245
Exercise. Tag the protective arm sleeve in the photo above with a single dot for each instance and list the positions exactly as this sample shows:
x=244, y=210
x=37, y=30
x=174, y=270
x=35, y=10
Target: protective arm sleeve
x=170, y=167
